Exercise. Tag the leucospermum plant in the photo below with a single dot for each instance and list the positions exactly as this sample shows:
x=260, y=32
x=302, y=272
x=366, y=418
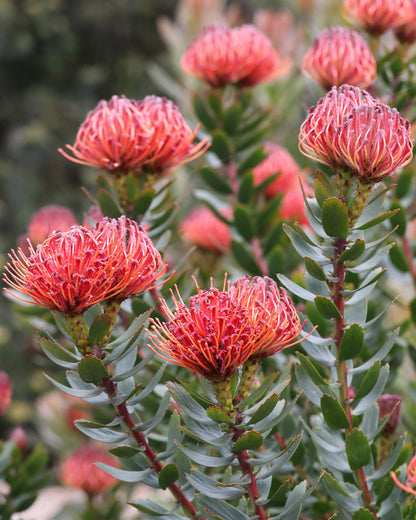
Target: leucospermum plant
x=259, y=387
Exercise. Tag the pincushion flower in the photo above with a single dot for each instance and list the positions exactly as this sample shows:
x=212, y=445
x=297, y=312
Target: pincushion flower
x=279, y=161
x=203, y=229
x=124, y=135
x=49, y=219
x=411, y=477
x=241, y=55
x=377, y=16
x=389, y=405
x=353, y=133
x=79, y=470
x=340, y=55
x=292, y=206
x=406, y=33
x=5, y=391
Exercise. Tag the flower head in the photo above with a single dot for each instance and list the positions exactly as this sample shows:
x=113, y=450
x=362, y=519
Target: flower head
x=241, y=55
x=406, y=33
x=351, y=132
x=292, y=206
x=79, y=470
x=340, y=55
x=5, y=392
x=216, y=235
x=49, y=219
x=389, y=405
x=278, y=161
x=411, y=477
x=123, y=135
x=377, y=16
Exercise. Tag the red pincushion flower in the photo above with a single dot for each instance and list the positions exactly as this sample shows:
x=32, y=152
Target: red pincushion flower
x=377, y=16
x=351, y=132
x=124, y=135
x=406, y=33
x=340, y=55
x=272, y=313
x=202, y=228
x=137, y=263
x=278, y=161
x=79, y=470
x=411, y=477
x=49, y=219
x=5, y=392
x=242, y=55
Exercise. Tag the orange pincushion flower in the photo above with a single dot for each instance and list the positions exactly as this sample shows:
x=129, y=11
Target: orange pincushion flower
x=272, y=313
x=124, y=135
x=377, y=16
x=138, y=264
x=241, y=55
x=202, y=228
x=278, y=161
x=79, y=470
x=340, y=55
x=351, y=132
x=49, y=219
x=411, y=477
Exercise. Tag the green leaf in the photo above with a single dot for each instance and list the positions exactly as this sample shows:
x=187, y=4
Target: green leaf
x=314, y=269
x=214, y=180
x=122, y=474
x=351, y=343
x=399, y=220
x=277, y=260
x=58, y=354
x=203, y=114
x=231, y=118
x=91, y=369
x=353, y=252
x=248, y=441
x=335, y=218
x=269, y=214
x=404, y=183
x=36, y=461
x=296, y=289
x=125, y=451
x=99, y=329
x=220, y=509
x=246, y=191
x=187, y=403
x=212, y=488
x=168, y=475
x=143, y=201
x=363, y=514
x=369, y=380
x=371, y=397
x=206, y=460
x=244, y=258
x=221, y=146
x=378, y=220
x=244, y=222
x=358, y=449
x=413, y=309
x=334, y=415
x=327, y=307
x=334, y=483
x=311, y=370
x=265, y=409
x=321, y=193
x=252, y=160
x=398, y=258
x=218, y=415
x=108, y=205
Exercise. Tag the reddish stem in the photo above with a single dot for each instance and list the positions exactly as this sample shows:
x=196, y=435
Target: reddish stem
x=252, y=489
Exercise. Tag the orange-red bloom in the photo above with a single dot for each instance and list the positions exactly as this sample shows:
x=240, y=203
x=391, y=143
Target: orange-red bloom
x=377, y=16
x=202, y=228
x=5, y=392
x=124, y=135
x=278, y=161
x=221, y=330
x=71, y=271
x=351, y=132
x=340, y=55
x=79, y=470
x=241, y=55
x=49, y=219
x=406, y=33
x=411, y=477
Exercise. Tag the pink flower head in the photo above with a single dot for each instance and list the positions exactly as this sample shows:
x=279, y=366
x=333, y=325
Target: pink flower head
x=49, y=219
x=123, y=135
x=241, y=55
x=390, y=404
x=5, y=392
x=406, y=33
x=278, y=161
x=340, y=55
x=292, y=206
x=79, y=470
x=203, y=229
x=411, y=477
x=272, y=313
x=377, y=16
x=350, y=131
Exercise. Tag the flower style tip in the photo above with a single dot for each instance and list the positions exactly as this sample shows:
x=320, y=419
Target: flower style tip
x=377, y=16
x=340, y=56
x=124, y=135
x=216, y=235
x=241, y=55
x=411, y=477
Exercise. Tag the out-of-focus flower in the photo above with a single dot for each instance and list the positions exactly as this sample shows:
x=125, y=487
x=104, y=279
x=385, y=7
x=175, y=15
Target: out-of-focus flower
x=340, y=55
x=377, y=16
x=79, y=470
x=71, y=271
x=292, y=206
x=278, y=161
x=272, y=313
x=5, y=392
x=203, y=229
x=351, y=132
x=406, y=33
x=123, y=135
x=241, y=55
x=93, y=216
x=137, y=264
x=411, y=477
x=19, y=437
x=389, y=404
x=49, y=219
x=279, y=27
